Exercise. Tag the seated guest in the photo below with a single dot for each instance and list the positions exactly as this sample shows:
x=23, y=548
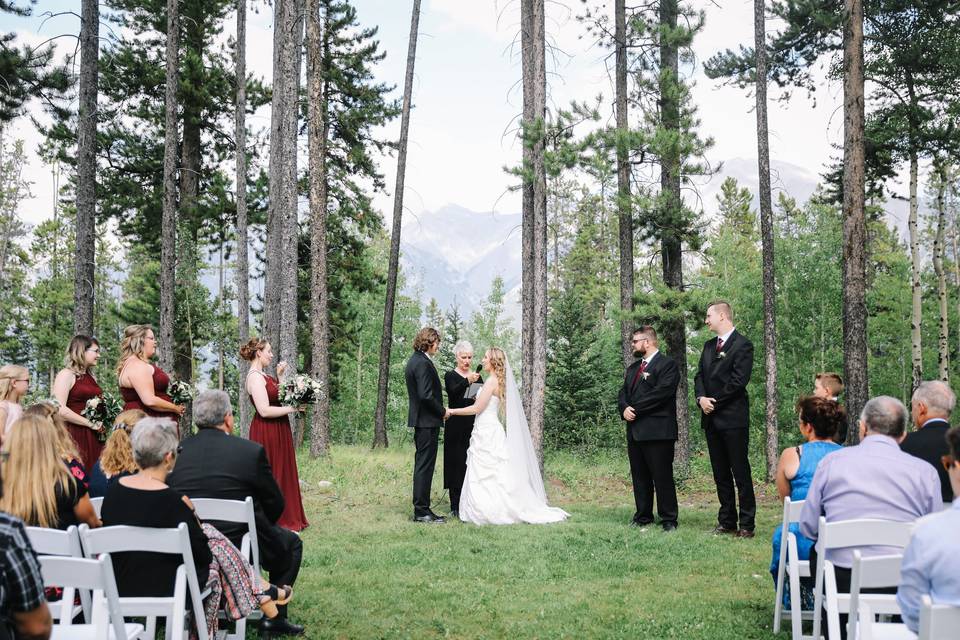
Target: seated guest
x=819, y=420
x=930, y=408
x=41, y=490
x=144, y=500
x=65, y=443
x=215, y=464
x=23, y=606
x=875, y=479
x=116, y=460
x=829, y=385
x=931, y=562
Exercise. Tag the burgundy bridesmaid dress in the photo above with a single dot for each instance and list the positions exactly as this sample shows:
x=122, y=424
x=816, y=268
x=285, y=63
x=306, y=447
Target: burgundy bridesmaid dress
x=88, y=445
x=161, y=381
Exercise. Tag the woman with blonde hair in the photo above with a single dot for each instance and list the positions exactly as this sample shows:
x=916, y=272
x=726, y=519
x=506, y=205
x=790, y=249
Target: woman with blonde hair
x=144, y=385
x=116, y=461
x=503, y=484
x=73, y=387
x=14, y=383
x=66, y=447
x=38, y=487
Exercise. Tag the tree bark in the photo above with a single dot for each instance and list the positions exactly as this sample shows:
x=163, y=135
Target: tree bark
x=168, y=230
x=671, y=242
x=318, y=54
x=84, y=262
x=766, y=241
x=527, y=206
x=855, y=361
x=943, y=335
x=242, y=265
x=624, y=209
x=386, y=338
x=916, y=309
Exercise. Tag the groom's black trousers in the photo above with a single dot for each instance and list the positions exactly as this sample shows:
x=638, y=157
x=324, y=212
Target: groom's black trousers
x=423, y=465
x=651, y=467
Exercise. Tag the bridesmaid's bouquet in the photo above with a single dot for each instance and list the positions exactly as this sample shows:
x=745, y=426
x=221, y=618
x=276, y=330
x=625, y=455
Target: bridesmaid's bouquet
x=300, y=390
x=102, y=410
x=180, y=392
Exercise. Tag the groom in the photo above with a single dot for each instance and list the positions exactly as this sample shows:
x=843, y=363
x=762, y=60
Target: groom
x=425, y=416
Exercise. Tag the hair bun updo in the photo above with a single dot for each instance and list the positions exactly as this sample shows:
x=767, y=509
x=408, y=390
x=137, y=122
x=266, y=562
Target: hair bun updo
x=249, y=350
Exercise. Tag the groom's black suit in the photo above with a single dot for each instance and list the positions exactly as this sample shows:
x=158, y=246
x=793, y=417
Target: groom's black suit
x=425, y=417
x=723, y=375
x=652, y=435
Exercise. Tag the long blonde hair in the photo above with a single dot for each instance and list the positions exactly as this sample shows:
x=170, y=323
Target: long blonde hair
x=132, y=344
x=32, y=472
x=76, y=356
x=117, y=456
x=8, y=375
x=498, y=364
x=66, y=446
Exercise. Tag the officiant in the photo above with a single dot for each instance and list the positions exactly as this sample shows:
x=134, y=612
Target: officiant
x=456, y=436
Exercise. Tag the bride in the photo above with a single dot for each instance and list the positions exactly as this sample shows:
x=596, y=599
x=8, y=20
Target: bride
x=503, y=483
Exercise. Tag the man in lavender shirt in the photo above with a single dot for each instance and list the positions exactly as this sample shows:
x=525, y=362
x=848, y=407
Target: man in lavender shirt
x=872, y=480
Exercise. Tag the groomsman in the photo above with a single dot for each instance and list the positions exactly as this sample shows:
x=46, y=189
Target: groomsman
x=648, y=403
x=721, y=390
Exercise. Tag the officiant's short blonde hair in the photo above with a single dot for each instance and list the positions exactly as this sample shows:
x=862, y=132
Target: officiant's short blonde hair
x=462, y=346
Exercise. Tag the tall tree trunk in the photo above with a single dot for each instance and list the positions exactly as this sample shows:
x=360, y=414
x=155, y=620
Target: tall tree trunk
x=624, y=208
x=916, y=309
x=242, y=266
x=168, y=229
x=672, y=242
x=221, y=347
x=533, y=57
x=956, y=250
x=83, y=283
x=943, y=335
x=854, y=221
x=386, y=338
x=766, y=240
x=317, y=55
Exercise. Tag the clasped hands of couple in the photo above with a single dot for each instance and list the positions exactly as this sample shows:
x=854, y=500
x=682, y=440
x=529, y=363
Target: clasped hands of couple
x=471, y=377
x=707, y=405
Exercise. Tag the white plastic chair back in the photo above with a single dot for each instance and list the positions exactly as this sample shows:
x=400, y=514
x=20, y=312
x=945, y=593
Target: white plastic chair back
x=56, y=542
x=117, y=539
x=106, y=621
x=792, y=568
x=97, y=504
x=938, y=621
x=874, y=573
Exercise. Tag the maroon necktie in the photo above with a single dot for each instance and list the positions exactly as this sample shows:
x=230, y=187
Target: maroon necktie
x=640, y=370
x=719, y=344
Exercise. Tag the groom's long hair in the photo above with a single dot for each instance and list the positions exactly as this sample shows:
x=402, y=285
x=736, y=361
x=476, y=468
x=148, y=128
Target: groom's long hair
x=426, y=338
x=498, y=362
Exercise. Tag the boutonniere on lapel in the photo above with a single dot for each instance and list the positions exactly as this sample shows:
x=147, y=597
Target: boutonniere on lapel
x=721, y=355
x=646, y=375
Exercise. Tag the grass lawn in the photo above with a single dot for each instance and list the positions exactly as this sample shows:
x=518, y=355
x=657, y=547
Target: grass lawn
x=369, y=572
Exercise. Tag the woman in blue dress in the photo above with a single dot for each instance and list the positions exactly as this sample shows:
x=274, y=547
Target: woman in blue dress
x=820, y=420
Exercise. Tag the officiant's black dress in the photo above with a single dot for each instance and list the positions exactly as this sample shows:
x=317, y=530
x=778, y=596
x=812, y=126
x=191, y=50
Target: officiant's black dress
x=456, y=437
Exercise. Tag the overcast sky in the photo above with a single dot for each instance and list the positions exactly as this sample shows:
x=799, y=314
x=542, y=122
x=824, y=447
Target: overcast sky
x=466, y=94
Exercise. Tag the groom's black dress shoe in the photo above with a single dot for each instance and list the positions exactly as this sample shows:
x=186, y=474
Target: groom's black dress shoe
x=720, y=531
x=669, y=526
x=430, y=518
x=640, y=523
x=280, y=627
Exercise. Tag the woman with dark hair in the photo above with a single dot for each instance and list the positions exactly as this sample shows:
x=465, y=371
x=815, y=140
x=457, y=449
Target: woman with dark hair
x=820, y=419
x=73, y=387
x=271, y=429
x=144, y=385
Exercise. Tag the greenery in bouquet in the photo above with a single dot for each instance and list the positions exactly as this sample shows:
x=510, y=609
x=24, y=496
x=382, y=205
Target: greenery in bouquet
x=102, y=410
x=180, y=392
x=300, y=390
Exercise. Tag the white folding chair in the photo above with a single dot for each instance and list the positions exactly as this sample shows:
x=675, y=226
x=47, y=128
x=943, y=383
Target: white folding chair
x=118, y=539
x=55, y=542
x=874, y=573
x=792, y=568
x=97, y=504
x=106, y=622
x=240, y=511
x=938, y=621
x=844, y=535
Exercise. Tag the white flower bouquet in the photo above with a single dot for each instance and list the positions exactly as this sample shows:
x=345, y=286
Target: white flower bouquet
x=102, y=410
x=180, y=392
x=300, y=390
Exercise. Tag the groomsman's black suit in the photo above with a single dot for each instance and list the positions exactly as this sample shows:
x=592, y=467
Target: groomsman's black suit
x=425, y=417
x=930, y=443
x=652, y=435
x=724, y=375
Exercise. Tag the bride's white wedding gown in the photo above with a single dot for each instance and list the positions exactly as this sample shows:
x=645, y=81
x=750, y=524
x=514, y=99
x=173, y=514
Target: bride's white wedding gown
x=494, y=490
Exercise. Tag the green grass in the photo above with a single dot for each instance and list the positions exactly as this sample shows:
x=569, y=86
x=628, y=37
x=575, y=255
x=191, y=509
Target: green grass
x=369, y=572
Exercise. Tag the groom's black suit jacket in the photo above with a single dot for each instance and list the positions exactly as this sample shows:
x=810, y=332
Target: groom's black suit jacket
x=653, y=398
x=724, y=376
x=425, y=409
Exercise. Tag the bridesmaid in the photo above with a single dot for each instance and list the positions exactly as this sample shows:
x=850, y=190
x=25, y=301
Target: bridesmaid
x=73, y=387
x=456, y=434
x=143, y=385
x=271, y=429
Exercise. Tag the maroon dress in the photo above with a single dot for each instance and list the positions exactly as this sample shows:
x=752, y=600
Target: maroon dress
x=275, y=437
x=88, y=445
x=161, y=381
